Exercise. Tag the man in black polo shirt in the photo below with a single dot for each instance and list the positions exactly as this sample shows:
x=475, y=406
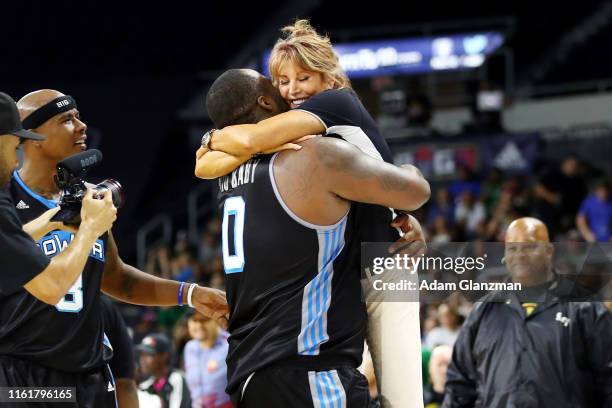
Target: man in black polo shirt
x=23, y=266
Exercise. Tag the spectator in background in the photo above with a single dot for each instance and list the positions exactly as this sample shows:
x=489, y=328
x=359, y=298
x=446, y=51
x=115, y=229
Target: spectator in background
x=168, y=316
x=180, y=338
x=440, y=233
x=205, y=363
x=465, y=182
x=146, y=324
x=183, y=267
x=492, y=189
x=444, y=206
x=447, y=332
x=209, y=247
x=470, y=214
x=214, y=227
x=214, y=271
x=558, y=194
x=595, y=216
x=438, y=364
x=210, y=243
x=512, y=204
x=430, y=321
x=158, y=262
x=181, y=243
x=155, y=363
x=501, y=216
x=217, y=281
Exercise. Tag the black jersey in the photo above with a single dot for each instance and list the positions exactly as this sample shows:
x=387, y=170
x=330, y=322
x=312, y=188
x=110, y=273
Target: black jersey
x=68, y=336
x=343, y=115
x=123, y=363
x=292, y=293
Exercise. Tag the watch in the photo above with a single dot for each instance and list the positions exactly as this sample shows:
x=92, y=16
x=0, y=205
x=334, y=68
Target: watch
x=207, y=137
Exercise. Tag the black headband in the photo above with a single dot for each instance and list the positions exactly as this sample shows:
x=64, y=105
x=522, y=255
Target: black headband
x=46, y=112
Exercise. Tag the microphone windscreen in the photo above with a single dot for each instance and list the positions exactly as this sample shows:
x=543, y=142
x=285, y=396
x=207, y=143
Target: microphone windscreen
x=82, y=162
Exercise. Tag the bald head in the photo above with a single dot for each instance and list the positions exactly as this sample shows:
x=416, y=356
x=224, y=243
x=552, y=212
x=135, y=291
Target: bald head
x=236, y=98
x=35, y=100
x=528, y=252
x=527, y=229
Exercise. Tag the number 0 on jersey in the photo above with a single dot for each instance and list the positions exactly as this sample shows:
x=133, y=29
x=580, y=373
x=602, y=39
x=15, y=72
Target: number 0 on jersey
x=233, y=229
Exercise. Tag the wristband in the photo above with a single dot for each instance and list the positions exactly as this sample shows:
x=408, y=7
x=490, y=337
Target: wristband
x=190, y=292
x=180, y=293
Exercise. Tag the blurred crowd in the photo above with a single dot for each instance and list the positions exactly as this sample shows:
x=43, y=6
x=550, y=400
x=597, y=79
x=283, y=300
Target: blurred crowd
x=571, y=198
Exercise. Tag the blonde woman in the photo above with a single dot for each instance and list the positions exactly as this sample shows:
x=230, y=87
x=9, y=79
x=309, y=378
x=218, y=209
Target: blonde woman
x=306, y=72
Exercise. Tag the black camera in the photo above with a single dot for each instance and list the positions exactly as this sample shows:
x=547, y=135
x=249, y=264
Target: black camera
x=69, y=179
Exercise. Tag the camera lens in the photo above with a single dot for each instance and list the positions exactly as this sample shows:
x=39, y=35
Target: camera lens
x=116, y=190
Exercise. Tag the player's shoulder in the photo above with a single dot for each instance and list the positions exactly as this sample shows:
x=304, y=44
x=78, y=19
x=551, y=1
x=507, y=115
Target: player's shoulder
x=317, y=156
x=321, y=155
x=327, y=150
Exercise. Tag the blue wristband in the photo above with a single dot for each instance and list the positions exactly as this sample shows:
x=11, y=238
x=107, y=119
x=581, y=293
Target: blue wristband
x=180, y=293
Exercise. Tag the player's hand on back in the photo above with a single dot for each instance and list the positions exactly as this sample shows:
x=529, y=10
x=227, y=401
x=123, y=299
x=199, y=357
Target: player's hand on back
x=211, y=303
x=412, y=242
x=98, y=214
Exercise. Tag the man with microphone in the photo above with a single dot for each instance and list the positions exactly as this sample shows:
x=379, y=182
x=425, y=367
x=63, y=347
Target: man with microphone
x=70, y=341
x=31, y=282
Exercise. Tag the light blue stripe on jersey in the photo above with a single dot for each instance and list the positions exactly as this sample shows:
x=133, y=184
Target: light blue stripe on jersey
x=317, y=294
x=106, y=341
x=326, y=390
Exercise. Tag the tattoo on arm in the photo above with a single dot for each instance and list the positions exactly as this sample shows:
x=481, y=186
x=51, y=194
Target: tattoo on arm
x=342, y=159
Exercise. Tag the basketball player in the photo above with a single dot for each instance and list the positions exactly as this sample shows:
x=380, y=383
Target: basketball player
x=307, y=73
x=24, y=269
x=297, y=321
x=61, y=343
